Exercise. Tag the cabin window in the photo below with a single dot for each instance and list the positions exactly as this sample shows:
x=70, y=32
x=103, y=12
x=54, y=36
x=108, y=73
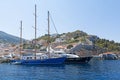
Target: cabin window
x=23, y=57
x=27, y=57
x=30, y=57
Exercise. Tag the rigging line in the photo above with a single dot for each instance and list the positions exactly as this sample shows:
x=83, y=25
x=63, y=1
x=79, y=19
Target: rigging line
x=53, y=24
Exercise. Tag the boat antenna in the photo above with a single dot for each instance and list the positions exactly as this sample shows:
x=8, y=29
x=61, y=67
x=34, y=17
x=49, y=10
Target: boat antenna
x=48, y=35
x=35, y=29
x=20, y=37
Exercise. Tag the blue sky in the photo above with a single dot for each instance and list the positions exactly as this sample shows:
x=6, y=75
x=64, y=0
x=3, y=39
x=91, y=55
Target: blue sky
x=96, y=17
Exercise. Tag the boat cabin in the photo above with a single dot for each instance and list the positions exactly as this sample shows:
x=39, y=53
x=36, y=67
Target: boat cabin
x=32, y=56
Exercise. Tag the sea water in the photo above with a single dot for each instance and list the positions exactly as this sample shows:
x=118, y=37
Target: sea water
x=94, y=70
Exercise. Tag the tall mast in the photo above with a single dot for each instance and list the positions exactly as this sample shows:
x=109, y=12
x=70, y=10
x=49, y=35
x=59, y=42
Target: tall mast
x=20, y=37
x=48, y=35
x=35, y=29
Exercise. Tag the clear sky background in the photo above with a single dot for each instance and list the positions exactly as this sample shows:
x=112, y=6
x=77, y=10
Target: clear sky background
x=95, y=17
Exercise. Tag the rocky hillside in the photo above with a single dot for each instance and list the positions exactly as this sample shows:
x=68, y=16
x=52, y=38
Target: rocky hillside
x=7, y=38
x=81, y=37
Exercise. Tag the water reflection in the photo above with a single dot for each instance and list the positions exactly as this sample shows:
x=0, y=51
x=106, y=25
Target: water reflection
x=96, y=70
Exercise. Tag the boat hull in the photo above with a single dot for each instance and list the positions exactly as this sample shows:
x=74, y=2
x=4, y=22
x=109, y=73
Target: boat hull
x=78, y=60
x=39, y=62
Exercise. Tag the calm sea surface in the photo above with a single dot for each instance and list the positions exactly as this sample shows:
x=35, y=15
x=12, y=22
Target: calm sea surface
x=95, y=70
